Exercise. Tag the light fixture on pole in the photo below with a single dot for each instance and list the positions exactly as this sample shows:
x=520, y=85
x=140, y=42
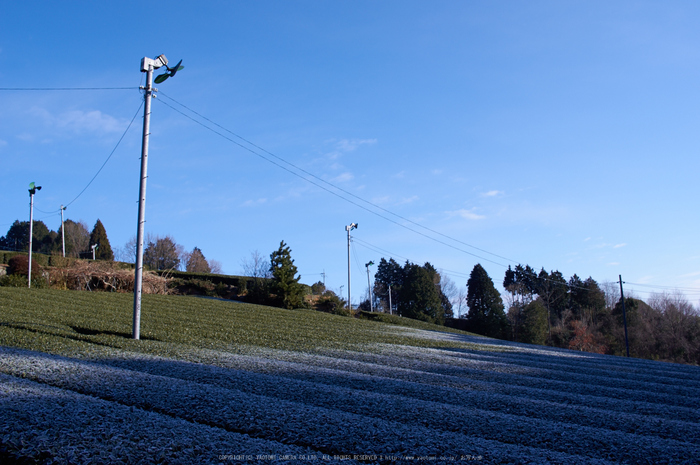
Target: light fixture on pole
x=32, y=190
x=63, y=231
x=147, y=66
x=371, y=306
x=349, y=228
x=93, y=247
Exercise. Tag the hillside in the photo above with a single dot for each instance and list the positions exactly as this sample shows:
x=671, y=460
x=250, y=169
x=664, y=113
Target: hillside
x=224, y=382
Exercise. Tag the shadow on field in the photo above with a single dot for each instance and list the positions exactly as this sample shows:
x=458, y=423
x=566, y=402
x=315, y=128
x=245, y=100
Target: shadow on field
x=83, y=334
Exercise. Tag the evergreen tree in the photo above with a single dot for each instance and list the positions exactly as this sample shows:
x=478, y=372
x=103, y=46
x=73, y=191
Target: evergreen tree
x=99, y=237
x=196, y=263
x=17, y=237
x=486, y=315
x=534, y=328
x=389, y=275
x=289, y=293
x=419, y=298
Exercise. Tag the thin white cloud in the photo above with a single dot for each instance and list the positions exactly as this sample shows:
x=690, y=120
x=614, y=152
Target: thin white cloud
x=617, y=246
x=493, y=193
x=399, y=175
x=406, y=200
x=78, y=121
x=254, y=203
x=3, y=143
x=466, y=214
x=348, y=145
x=436, y=172
x=613, y=263
x=344, y=177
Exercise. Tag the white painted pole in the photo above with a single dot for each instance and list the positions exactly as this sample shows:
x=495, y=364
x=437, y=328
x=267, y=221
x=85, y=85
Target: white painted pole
x=138, y=274
x=31, y=233
x=63, y=232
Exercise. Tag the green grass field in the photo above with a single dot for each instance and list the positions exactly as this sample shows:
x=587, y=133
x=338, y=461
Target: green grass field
x=60, y=322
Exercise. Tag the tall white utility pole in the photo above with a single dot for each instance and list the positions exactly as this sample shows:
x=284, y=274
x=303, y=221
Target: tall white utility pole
x=63, y=231
x=349, y=228
x=391, y=312
x=147, y=66
x=369, y=286
x=32, y=190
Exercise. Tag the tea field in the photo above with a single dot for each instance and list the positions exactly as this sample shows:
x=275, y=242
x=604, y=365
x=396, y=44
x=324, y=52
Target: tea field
x=223, y=382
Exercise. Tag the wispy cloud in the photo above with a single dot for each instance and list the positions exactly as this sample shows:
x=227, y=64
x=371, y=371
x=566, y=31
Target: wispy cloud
x=344, y=177
x=466, y=214
x=613, y=263
x=79, y=122
x=344, y=146
x=493, y=193
x=407, y=200
x=349, y=145
x=617, y=246
x=254, y=203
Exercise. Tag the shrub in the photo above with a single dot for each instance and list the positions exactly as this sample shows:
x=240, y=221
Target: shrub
x=13, y=280
x=331, y=303
x=19, y=265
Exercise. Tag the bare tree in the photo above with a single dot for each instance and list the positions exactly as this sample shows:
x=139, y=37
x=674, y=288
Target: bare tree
x=612, y=293
x=215, y=266
x=256, y=266
x=77, y=238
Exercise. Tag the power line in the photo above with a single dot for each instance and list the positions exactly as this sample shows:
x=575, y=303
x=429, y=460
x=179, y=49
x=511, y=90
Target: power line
x=317, y=184
x=10, y=89
x=110, y=156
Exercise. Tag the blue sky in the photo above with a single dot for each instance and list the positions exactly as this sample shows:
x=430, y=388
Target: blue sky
x=558, y=134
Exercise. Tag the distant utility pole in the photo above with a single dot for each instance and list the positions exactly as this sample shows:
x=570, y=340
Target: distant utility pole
x=63, y=231
x=32, y=190
x=349, y=228
x=624, y=317
x=367, y=265
x=391, y=311
x=147, y=66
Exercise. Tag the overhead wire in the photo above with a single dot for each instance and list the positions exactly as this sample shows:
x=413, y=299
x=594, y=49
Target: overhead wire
x=6, y=89
x=322, y=181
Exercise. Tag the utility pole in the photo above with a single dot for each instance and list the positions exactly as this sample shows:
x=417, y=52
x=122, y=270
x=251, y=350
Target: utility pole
x=63, y=231
x=624, y=317
x=32, y=190
x=349, y=228
x=147, y=66
x=367, y=265
x=391, y=311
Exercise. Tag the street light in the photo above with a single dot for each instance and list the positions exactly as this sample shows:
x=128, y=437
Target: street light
x=32, y=190
x=371, y=306
x=147, y=66
x=349, y=228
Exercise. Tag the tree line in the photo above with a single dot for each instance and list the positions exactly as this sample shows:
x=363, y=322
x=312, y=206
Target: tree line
x=160, y=252
x=546, y=309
